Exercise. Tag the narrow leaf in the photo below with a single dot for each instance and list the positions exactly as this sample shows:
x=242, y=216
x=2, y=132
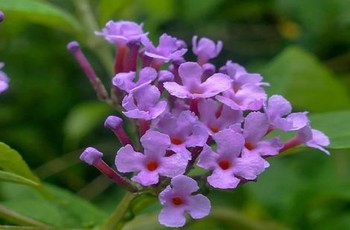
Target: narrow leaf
x=40, y=12
x=11, y=177
x=12, y=161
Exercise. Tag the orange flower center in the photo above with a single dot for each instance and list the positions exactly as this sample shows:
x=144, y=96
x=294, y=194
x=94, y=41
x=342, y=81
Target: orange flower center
x=177, y=200
x=225, y=164
x=249, y=145
x=213, y=128
x=176, y=140
x=152, y=165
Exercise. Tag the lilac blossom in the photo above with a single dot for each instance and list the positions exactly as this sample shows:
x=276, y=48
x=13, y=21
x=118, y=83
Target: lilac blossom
x=177, y=200
x=184, y=131
x=153, y=162
x=126, y=81
x=169, y=48
x=192, y=86
x=312, y=138
x=245, y=92
x=205, y=49
x=122, y=32
x=4, y=81
x=255, y=128
x=144, y=102
x=278, y=110
x=217, y=117
x=227, y=163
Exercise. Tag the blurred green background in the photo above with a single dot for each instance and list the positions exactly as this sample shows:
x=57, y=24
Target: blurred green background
x=302, y=47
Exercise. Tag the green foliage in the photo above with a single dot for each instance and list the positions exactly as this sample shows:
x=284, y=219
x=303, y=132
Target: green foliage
x=83, y=119
x=12, y=162
x=336, y=125
x=41, y=12
x=302, y=79
x=63, y=209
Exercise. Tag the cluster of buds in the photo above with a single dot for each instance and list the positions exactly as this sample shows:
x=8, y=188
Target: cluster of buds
x=189, y=114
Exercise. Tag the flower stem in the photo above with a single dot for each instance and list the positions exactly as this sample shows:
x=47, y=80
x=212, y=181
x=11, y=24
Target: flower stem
x=116, y=221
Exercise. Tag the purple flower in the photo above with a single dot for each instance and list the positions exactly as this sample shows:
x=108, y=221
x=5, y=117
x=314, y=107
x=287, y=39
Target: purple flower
x=217, y=117
x=169, y=48
x=122, y=32
x=227, y=164
x=245, y=92
x=313, y=138
x=144, y=102
x=278, y=110
x=184, y=131
x=177, y=200
x=205, y=49
x=255, y=128
x=152, y=162
x=192, y=86
x=126, y=81
x=4, y=81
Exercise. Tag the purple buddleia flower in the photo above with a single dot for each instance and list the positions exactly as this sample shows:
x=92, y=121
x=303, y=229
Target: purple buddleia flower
x=245, y=92
x=126, y=81
x=169, y=48
x=278, y=110
x=184, y=131
x=313, y=138
x=144, y=102
x=205, y=49
x=153, y=162
x=310, y=137
x=192, y=86
x=122, y=32
x=227, y=163
x=255, y=128
x=178, y=200
x=217, y=117
x=4, y=81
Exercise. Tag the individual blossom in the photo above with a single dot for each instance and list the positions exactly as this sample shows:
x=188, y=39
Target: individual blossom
x=279, y=112
x=227, y=163
x=245, y=92
x=205, y=49
x=153, y=162
x=217, y=117
x=312, y=138
x=144, y=102
x=169, y=48
x=192, y=85
x=256, y=126
x=126, y=81
x=184, y=130
x=122, y=32
x=4, y=81
x=178, y=200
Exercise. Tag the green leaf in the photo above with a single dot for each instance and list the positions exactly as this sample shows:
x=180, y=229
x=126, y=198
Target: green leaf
x=335, y=125
x=84, y=118
x=40, y=12
x=64, y=210
x=11, y=177
x=302, y=79
x=11, y=161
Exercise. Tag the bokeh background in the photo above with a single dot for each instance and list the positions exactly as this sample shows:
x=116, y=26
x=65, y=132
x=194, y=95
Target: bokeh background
x=50, y=112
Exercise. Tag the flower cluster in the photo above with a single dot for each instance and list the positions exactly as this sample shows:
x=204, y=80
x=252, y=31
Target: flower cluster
x=189, y=114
